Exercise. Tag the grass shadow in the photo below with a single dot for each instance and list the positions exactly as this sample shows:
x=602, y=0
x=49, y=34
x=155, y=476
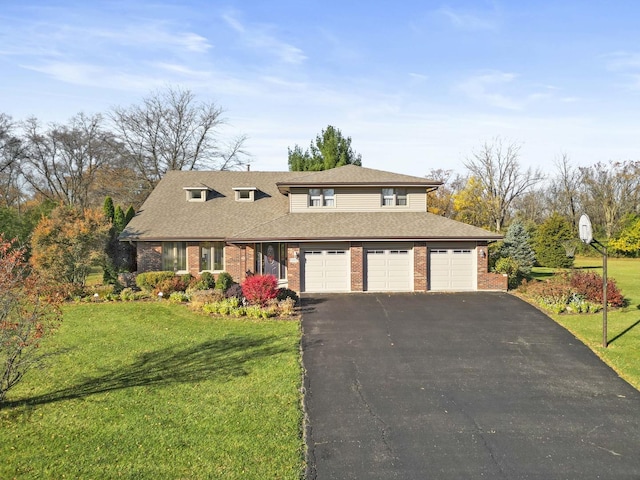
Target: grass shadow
x=625, y=331
x=224, y=359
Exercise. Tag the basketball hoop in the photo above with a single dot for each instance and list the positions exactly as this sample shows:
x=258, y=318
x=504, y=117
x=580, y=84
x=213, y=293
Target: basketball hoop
x=570, y=247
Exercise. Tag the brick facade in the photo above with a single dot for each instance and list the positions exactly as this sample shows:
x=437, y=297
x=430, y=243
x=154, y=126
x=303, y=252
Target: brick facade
x=240, y=258
x=357, y=267
x=293, y=266
x=487, y=280
x=420, y=267
x=149, y=256
x=193, y=258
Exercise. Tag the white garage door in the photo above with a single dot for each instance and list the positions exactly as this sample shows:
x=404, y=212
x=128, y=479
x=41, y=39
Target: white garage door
x=326, y=268
x=389, y=268
x=452, y=269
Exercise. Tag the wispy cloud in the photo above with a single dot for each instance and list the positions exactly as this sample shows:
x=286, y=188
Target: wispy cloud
x=482, y=88
x=501, y=90
x=627, y=65
x=623, y=61
x=263, y=39
x=467, y=20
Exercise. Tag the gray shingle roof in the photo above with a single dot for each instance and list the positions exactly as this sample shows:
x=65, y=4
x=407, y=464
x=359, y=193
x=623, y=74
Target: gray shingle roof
x=167, y=215
x=353, y=174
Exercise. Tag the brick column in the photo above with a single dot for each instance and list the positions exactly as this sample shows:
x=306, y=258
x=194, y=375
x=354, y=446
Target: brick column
x=293, y=266
x=482, y=252
x=420, y=266
x=357, y=267
x=193, y=259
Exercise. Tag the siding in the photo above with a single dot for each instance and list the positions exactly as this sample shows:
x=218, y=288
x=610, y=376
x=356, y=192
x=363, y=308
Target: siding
x=351, y=199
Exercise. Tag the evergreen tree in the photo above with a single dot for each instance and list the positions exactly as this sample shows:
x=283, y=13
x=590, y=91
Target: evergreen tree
x=108, y=208
x=549, y=239
x=329, y=150
x=118, y=220
x=129, y=214
x=517, y=245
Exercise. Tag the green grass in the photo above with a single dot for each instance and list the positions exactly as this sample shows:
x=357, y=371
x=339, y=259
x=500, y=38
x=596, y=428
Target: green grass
x=623, y=325
x=152, y=390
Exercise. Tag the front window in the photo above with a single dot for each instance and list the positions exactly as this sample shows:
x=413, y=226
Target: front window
x=212, y=256
x=174, y=256
x=394, y=197
x=321, y=197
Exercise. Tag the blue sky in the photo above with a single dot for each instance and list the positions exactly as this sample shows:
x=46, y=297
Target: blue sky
x=418, y=85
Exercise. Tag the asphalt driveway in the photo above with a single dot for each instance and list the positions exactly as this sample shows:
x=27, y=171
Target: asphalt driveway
x=459, y=386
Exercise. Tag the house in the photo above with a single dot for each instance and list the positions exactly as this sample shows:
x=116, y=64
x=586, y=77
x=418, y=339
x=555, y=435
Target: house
x=348, y=229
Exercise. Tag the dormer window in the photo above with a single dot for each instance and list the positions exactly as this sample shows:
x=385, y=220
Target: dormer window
x=394, y=197
x=245, y=194
x=196, y=194
x=322, y=197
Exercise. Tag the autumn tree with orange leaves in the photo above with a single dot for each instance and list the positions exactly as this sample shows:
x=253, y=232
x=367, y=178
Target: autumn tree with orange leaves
x=68, y=243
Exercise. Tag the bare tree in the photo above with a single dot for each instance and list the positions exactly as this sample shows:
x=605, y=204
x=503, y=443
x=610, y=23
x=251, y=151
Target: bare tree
x=564, y=190
x=62, y=162
x=440, y=201
x=611, y=191
x=11, y=151
x=495, y=165
x=170, y=130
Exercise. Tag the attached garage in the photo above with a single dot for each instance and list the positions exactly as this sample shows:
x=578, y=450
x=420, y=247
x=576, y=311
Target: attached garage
x=326, y=268
x=389, y=267
x=452, y=268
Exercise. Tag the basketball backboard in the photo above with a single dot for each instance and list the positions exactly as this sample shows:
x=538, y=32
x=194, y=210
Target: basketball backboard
x=585, y=230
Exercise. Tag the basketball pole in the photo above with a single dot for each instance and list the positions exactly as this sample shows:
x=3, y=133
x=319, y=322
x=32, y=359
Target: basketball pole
x=605, y=302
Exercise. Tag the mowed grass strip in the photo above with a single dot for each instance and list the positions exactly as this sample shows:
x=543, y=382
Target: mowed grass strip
x=623, y=325
x=152, y=390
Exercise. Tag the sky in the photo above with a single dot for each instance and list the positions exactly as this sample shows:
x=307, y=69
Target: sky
x=417, y=85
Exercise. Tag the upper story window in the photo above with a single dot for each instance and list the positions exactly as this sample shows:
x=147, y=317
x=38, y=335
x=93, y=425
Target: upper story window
x=322, y=197
x=245, y=194
x=196, y=194
x=394, y=197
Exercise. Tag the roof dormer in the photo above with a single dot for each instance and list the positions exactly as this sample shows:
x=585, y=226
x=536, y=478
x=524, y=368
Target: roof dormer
x=196, y=194
x=245, y=194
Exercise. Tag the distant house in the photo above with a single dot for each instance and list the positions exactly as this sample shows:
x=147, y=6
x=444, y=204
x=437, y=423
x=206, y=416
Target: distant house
x=348, y=229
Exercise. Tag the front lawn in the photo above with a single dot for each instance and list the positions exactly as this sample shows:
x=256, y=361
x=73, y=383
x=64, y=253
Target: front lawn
x=152, y=390
x=623, y=352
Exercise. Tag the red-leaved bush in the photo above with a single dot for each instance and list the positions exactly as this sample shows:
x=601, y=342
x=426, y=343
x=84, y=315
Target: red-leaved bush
x=259, y=289
x=589, y=285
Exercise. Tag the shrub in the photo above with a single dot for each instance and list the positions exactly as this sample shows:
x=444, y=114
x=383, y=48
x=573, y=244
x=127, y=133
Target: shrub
x=511, y=268
x=127, y=294
x=199, y=298
x=589, y=285
x=284, y=293
x=178, y=297
x=224, y=281
x=259, y=289
x=287, y=306
x=102, y=290
x=170, y=285
x=234, y=290
x=548, y=242
x=208, y=281
x=148, y=281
